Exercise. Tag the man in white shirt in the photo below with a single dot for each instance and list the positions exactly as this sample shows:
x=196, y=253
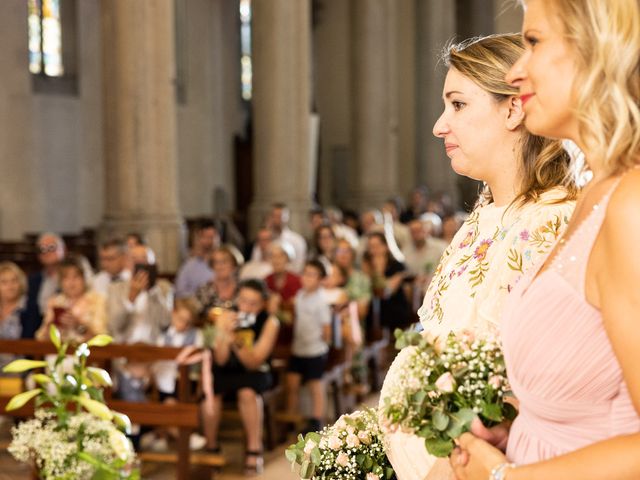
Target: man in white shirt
x=139, y=309
x=113, y=261
x=278, y=222
x=260, y=267
x=424, y=250
x=196, y=270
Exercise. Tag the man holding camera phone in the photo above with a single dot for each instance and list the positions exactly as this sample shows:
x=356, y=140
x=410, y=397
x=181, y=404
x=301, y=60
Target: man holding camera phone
x=140, y=308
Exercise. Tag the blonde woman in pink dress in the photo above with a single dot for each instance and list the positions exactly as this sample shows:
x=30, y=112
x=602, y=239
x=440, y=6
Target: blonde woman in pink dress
x=571, y=328
x=526, y=206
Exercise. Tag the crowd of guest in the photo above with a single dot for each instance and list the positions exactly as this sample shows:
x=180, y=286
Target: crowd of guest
x=353, y=275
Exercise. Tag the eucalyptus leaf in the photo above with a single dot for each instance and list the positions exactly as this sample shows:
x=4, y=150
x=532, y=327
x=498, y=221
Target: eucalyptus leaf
x=307, y=470
x=439, y=447
x=440, y=420
x=290, y=455
x=492, y=411
x=316, y=455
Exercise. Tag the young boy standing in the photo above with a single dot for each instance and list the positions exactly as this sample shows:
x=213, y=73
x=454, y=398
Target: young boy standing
x=311, y=335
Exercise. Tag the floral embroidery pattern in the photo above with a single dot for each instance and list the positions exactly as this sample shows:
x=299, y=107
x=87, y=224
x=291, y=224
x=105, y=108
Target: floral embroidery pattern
x=472, y=258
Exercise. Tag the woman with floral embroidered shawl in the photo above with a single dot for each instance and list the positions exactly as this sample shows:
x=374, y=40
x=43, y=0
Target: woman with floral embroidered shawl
x=525, y=206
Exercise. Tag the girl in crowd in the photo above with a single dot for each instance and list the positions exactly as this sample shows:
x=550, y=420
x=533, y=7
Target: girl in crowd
x=525, y=206
x=570, y=328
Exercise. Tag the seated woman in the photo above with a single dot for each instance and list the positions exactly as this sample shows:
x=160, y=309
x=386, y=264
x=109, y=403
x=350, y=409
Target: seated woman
x=13, y=287
x=390, y=305
x=220, y=292
x=78, y=312
x=241, y=367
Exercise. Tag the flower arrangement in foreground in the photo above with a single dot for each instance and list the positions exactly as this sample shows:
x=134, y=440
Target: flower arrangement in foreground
x=351, y=449
x=441, y=385
x=74, y=435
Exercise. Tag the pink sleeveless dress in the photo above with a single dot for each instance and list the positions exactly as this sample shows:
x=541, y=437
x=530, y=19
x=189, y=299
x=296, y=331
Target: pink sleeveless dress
x=559, y=359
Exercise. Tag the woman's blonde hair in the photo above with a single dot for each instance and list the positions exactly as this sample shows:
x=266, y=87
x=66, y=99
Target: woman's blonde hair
x=605, y=34
x=17, y=271
x=486, y=61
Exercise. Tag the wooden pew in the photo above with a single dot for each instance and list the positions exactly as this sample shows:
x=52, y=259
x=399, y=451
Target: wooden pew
x=185, y=414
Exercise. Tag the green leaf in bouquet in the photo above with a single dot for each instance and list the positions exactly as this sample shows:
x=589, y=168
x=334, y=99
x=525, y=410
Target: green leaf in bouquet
x=95, y=408
x=492, y=411
x=418, y=398
x=122, y=421
x=455, y=429
x=290, y=454
x=439, y=447
x=99, y=376
x=315, y=437
x=465, y=415
x=316, y=455
x=368, y=463
x=426, y=432
x=100, y=341
x=22, y=365
x=440, y=420
x=360, y=459
x=21, y=399
x=41, y=378
x=307, y=470
x=389, y=473
x=509, y=411
x=54, y=335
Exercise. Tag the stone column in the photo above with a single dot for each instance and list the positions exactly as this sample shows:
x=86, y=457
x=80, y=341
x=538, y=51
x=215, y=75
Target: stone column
x=140, y=124
x=374, y=176
x=436, y=26
x=281, y=108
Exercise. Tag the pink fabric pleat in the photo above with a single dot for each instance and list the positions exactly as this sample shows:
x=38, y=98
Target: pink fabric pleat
x=559, y=359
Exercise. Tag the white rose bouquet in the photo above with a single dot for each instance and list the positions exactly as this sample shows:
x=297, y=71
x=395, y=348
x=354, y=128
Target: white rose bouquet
x=351, y=449
x=442, y=384
x=74, y=435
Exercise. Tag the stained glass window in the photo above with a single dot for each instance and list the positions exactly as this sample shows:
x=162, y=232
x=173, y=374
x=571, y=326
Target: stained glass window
x=246, y=74
x=45, y=38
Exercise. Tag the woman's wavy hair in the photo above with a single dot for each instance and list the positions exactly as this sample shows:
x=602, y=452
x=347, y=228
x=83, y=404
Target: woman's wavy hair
x=605, y=35
x=545, y=164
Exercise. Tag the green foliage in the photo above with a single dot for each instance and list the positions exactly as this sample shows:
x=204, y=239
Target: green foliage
x=443, y=384
x=356, y=437
x=80, y=388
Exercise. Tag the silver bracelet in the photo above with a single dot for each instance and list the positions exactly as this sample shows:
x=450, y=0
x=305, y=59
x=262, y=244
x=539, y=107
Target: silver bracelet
x=498, y=472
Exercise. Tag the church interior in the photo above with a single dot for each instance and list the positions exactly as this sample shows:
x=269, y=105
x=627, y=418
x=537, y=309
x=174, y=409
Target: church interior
x=184, y=154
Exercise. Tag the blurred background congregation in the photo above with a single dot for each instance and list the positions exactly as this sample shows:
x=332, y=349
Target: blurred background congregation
x=163, y=162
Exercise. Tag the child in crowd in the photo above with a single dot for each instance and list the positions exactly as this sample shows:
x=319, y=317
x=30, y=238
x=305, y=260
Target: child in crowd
x=311, y=335
x=181, y=333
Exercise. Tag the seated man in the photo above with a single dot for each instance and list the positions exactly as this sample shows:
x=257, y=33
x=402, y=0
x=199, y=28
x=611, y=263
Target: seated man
x=113, y=260
x=196, y=271
x=42, y=285
x=139, y=309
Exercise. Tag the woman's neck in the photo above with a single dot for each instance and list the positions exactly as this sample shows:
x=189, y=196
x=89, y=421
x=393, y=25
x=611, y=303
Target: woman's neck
x=8, y=306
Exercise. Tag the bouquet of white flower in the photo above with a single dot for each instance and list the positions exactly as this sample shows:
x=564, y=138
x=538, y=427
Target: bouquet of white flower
x=351, y=449
x=442, y=384
x=74, y=435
